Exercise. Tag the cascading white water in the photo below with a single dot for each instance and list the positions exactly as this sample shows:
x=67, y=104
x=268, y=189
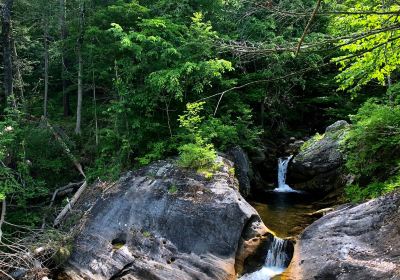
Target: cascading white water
x=274, y=264
x=276, y=256
x=283, y=164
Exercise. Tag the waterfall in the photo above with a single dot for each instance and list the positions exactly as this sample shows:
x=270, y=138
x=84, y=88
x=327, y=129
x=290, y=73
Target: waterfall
x=283, y=164
x=275, y=262
x=276, y=256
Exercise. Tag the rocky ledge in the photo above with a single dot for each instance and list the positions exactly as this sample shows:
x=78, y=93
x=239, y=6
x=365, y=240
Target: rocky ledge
x=317, y=168
x=163, y=222
x=354, y=242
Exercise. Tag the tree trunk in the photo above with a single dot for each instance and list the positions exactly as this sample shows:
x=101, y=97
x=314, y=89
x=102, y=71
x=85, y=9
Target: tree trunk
x=2, y=216
x=95, y=108
x=20, y=81
x=46, y=68
x=80, y=70
x=7, y=50
x=63, y=36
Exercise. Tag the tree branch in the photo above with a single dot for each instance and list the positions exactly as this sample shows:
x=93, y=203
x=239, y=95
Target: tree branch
x=308, y=26
x=69, y=206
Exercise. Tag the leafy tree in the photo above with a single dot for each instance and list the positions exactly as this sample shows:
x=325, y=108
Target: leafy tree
x=370, y=42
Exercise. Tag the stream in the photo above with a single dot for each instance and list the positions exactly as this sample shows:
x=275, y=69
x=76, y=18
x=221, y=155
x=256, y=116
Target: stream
x=286, y=212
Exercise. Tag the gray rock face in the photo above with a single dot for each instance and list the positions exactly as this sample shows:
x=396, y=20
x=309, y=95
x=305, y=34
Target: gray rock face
x=355, y=242
x=163, y=222
x=316, y=167
x=242, y=169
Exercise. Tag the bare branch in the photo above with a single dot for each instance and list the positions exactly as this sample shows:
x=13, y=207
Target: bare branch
x=308, y=26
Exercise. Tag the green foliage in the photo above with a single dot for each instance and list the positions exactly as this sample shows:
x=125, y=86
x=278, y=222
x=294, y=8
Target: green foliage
x=372, y=149
x=373, y=143
x=369, y=58
x=355, y=193
x=198, y=154
x=16, y=180
x=173, y=189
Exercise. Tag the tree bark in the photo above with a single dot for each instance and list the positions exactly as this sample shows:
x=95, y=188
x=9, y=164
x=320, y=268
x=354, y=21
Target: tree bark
x=2, y=216
x=95, y=108
x=7, y=50
x=80, y=72
x=20, y=81
x=63, y=37
x=46, y=67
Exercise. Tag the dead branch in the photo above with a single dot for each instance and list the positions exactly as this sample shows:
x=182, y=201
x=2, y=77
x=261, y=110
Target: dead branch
x=58, y=192
x=28, y=256
x=308, y=26
x=303, y=71
x=69, y=206
x=65, y=147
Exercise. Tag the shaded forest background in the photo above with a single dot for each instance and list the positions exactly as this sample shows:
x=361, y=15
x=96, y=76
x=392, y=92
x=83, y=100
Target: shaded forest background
x=94, y=88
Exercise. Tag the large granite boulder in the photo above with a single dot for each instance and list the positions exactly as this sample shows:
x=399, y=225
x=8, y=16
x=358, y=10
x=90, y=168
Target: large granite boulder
x=163, y=222
x=317, y=167
x=354, y=242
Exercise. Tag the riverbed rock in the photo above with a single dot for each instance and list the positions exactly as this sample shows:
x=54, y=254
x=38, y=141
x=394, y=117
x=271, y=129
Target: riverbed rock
x=243, y=169
x=354, y=242
x=264, y=162
x=318, y=165
x=163, y=222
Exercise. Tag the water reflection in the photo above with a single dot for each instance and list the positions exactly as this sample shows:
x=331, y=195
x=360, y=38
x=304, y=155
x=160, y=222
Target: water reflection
x=287, y=214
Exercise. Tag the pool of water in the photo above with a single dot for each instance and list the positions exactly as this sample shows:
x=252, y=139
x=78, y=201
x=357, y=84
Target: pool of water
x=286, y=214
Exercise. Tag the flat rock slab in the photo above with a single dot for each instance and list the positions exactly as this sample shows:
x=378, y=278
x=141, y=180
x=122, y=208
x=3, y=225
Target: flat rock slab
x=352, y=243
x=163, y=222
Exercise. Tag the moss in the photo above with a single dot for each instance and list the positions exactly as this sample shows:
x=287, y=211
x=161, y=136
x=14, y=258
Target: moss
x=118, y=246
x=208, y=174
x=173, y=189
x=316, y=138
x=62, y=255
x=146, y=234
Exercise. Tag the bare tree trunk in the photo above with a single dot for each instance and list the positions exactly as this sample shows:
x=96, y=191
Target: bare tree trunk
x=20, y=81
x=95, y=108
x=2, y=216
x=46, y=67
x=80, y=72
x=262, y=112
x=7, y=51
x=63, y=33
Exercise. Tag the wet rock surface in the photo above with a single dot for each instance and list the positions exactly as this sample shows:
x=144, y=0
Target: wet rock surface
x=354, y=242
x=318, y=165
x=243, y=170
x=163, y=222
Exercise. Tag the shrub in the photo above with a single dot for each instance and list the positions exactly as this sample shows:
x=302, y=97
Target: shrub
x=197, y=156
x=195, y=152
x=356, y=193
x=372, y=149
x=373, y=143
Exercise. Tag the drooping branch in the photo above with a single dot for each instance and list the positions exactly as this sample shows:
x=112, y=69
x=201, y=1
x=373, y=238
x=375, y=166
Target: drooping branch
x=250, y=50
x=272, y=9
x=303, y=71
